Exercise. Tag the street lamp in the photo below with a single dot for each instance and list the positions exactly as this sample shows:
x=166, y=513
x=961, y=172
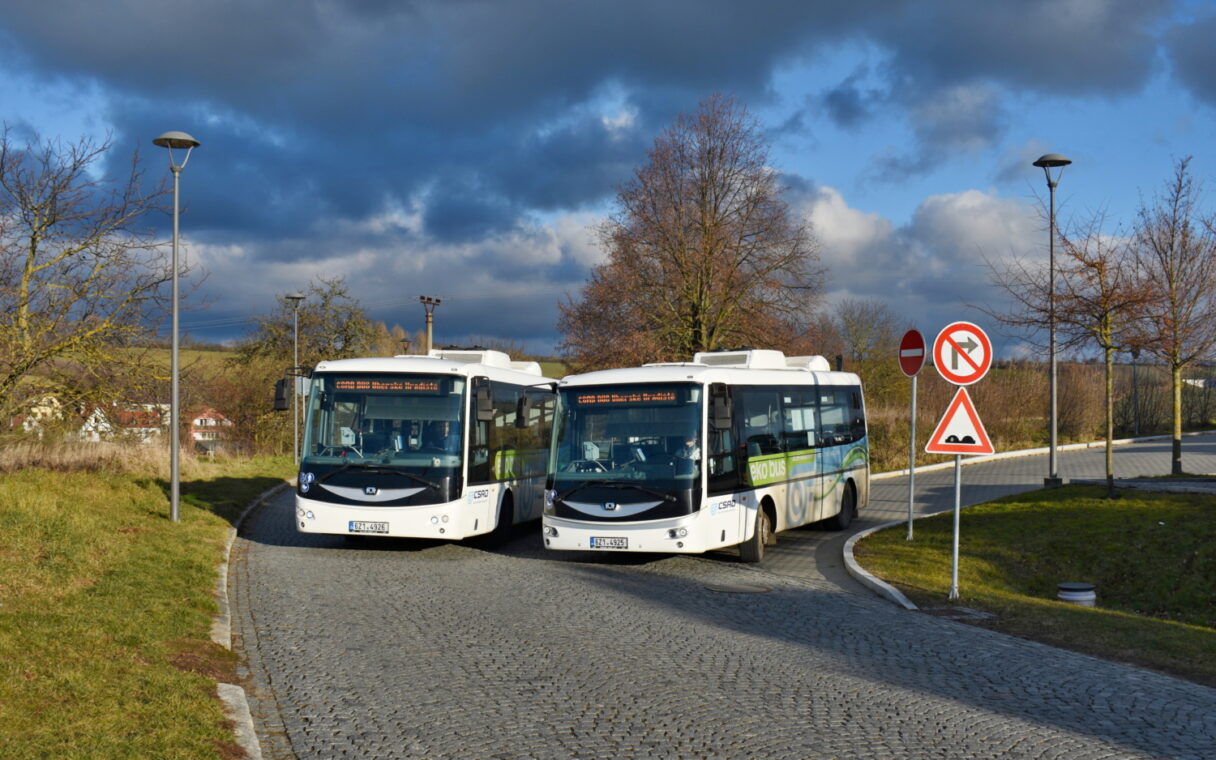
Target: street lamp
x=170, y=141
x=295, y=299
x=429, y=304
x=405, y=345
x=1047, y=163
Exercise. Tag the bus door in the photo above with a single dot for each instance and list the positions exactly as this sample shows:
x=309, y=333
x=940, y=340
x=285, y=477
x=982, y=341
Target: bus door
x=759, y=419
x=723, y=467
x=800, y=438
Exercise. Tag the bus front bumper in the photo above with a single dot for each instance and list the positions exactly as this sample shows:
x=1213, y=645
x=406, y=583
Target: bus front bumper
x=682, y=535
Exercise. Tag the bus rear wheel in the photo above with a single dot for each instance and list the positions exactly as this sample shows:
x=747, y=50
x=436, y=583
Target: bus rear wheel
x=848, y=509
x=752, y=550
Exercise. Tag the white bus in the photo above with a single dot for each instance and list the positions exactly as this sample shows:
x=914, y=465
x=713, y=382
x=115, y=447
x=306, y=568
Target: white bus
x=687, y=457
x=448, y=445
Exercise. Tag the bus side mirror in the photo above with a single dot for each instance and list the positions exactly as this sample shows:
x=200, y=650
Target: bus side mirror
x=281, y=402
x=485, y=403
x=522, y=409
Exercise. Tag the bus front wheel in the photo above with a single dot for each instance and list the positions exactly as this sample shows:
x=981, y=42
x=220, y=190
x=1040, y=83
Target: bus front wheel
x=752, y=550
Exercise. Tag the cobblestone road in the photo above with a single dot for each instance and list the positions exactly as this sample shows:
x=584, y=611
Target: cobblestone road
x=409, y=649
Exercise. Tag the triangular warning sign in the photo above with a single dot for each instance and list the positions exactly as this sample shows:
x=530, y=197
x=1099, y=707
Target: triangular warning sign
x=960, y=431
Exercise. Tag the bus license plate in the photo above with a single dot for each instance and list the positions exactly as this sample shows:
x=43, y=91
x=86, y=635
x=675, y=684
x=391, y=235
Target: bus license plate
x=362, y=526
x=609, y=543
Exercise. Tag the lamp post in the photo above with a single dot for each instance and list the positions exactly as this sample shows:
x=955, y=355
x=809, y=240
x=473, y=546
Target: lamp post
x=1047, y=163
x=405, y=346
x=429, y=304
x=170, y=141
x=295, y=299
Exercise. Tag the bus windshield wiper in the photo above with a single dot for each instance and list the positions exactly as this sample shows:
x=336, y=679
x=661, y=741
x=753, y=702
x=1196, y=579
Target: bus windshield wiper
x=616, y=484
x=378, y=469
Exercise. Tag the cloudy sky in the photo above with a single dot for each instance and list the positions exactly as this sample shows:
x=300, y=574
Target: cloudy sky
x=464, y=148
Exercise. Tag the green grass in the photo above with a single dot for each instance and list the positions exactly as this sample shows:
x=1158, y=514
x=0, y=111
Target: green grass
x=1152, y=558
x=555, y=370
x=106, y=611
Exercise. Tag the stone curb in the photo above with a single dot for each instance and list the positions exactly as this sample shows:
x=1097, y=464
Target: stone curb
x=236, y=706
x=872, y=582
x=886, y=590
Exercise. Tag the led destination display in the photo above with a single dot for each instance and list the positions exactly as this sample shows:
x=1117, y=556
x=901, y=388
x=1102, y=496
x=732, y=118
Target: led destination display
x=632, y=398
x=396, y=385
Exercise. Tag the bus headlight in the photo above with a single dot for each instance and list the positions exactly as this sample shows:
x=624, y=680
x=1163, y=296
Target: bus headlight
x=677, y=533
x=550, y=497
x=305, y=480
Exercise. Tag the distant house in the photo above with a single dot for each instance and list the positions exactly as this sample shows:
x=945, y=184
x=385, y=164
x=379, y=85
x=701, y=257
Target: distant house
x=209, y=430
x=41, y=414
x=140, y=423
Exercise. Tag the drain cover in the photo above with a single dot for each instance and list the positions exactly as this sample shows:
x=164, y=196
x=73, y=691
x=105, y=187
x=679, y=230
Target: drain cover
x=738, y=588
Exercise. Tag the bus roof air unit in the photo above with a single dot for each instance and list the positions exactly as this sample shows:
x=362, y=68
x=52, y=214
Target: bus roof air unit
x=750, y=359
x=760, y=359
x=485, y=357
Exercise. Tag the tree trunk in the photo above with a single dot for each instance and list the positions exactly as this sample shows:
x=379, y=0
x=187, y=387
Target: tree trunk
x=1176, y=386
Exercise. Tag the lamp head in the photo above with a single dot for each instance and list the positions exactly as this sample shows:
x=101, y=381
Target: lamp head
x=1052, y=160
x=295, y=297
x=176, y=140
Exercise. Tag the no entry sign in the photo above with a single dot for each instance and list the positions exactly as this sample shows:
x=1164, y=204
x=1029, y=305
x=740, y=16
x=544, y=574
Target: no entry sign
x=962, y=353
x=912, y=352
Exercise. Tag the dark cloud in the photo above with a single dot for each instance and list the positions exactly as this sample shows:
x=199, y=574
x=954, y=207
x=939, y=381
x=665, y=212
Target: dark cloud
x=948, y=64
x=1079, y=47
x=1193, y=54
x=846, y=104
x=318, y=118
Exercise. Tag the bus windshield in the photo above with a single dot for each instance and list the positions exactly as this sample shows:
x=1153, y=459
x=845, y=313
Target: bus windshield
x=642, y=435
x=407, y=420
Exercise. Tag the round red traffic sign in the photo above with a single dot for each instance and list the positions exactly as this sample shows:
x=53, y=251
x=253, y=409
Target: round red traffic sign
x=962, y=353
x=912, y=352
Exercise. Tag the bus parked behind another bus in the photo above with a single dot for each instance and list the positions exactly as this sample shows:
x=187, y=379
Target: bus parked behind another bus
x=448, y=445
x=726, y=450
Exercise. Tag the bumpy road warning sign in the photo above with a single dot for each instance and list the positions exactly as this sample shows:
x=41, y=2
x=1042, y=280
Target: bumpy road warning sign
x=960, y=430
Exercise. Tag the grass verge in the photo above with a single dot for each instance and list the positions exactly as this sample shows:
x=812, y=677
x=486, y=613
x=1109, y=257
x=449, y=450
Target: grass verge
x=106, y=607
x=1152, y=557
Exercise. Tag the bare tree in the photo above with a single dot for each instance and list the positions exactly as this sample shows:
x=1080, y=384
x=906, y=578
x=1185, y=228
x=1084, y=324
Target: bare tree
x=332, y=326
x=81, y=274
x=1099, y=299
x=869, y=328
x=1175, y=250
x=703, y=252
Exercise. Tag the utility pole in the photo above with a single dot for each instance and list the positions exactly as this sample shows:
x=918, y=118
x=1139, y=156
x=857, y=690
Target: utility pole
x=429, y=303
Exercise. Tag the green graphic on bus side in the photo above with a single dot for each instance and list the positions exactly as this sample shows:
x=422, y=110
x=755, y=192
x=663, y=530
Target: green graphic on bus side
x=510, y=464
x=774, y=468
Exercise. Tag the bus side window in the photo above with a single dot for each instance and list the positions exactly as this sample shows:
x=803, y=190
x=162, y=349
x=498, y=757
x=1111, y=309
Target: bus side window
x=840, y=420
x=800, y=432
x=762, y=423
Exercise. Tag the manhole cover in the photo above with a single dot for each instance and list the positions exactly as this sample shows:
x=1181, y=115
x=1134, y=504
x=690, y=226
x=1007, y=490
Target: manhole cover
x=738, y=588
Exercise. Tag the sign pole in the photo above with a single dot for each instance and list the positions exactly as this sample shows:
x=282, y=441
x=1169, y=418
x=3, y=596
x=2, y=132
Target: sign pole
x=958, y=491
x=912, y=459
x=911, y=359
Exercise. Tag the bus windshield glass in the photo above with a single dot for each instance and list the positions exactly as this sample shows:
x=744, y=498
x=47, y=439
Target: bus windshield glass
x=645, y=435
x=410, y=421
